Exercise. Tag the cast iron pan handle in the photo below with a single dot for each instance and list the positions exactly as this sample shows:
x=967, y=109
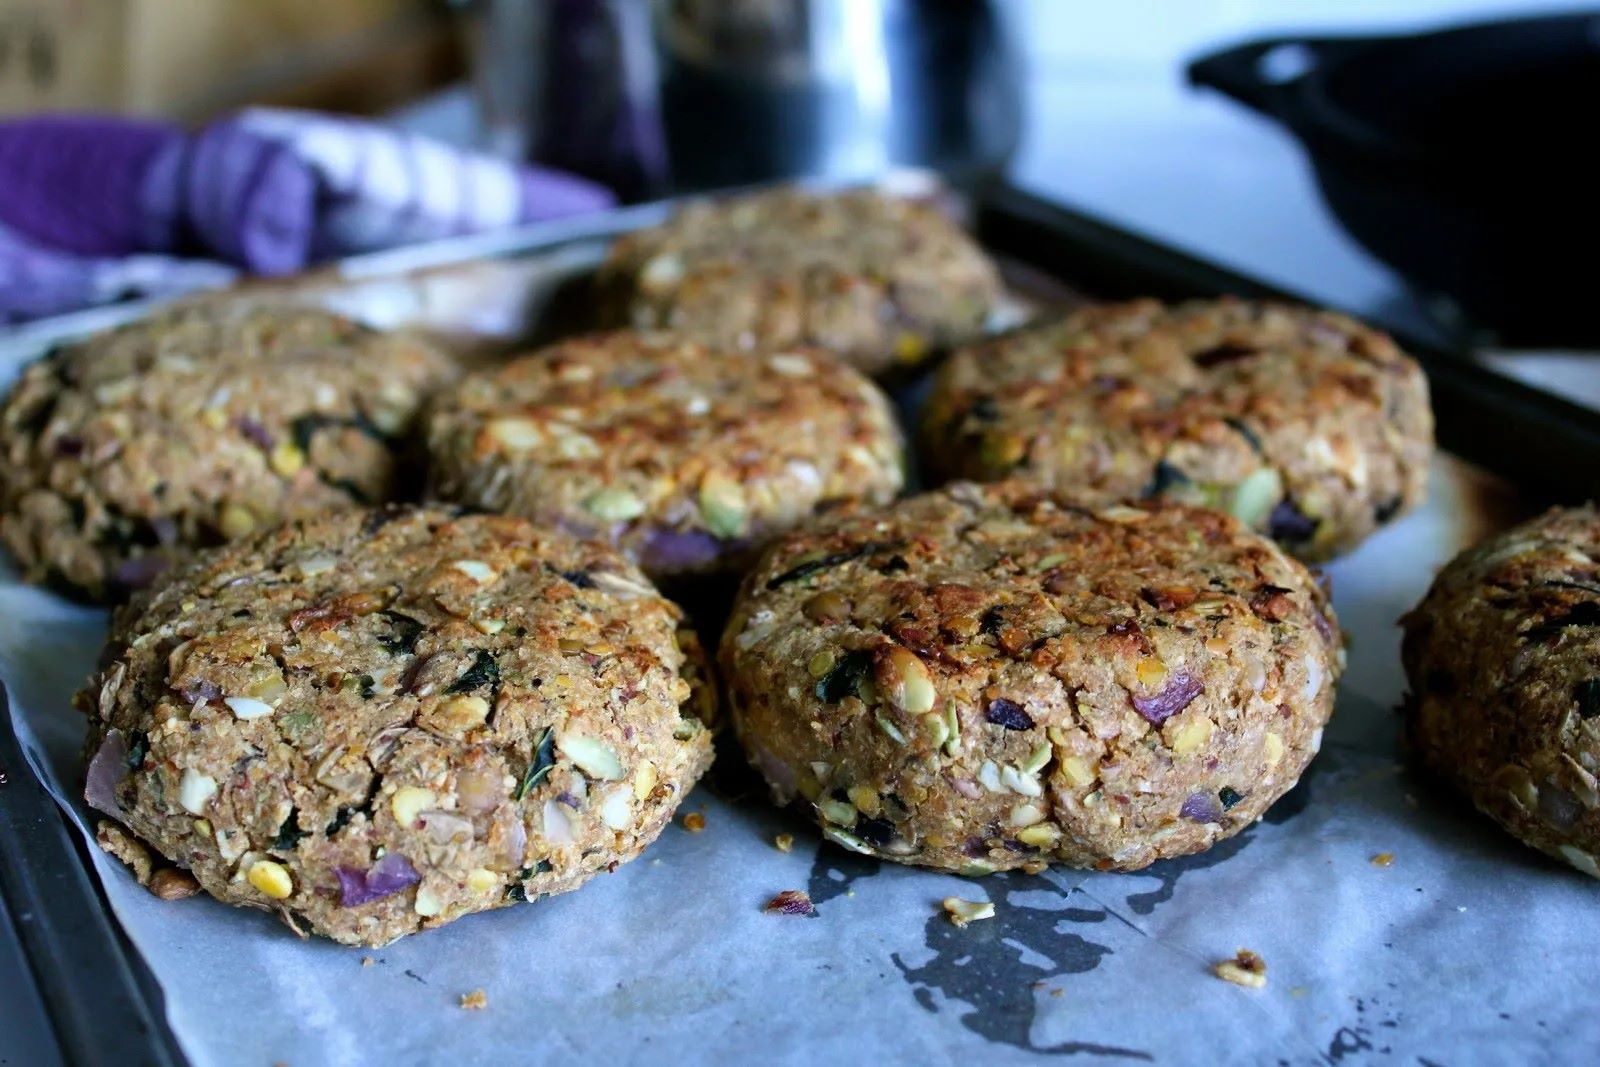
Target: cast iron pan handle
x=1238, y=70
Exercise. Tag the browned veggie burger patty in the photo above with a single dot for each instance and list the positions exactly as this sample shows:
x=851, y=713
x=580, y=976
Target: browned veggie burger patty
x=880, y=280
x=988, y=677
x=1303, y=424
x=196, y=426
x=685, y=457
x=1503, y=659
x=377, y=722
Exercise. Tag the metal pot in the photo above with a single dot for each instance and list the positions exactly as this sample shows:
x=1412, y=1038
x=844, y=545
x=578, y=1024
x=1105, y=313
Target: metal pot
x=758, y=89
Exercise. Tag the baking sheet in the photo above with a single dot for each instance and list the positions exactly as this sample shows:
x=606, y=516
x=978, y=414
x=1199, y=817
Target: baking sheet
x=1466, y=948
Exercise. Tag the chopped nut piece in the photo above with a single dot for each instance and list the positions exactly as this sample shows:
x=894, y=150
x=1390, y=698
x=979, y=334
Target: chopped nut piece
x=1042, y=835
x=1581, y=860
x=248, y=708
x=825, y=608
x=286, y=459
x=849, y=841
x=458, y=714
x=722, y=505
x=644, y=780
x=1077, y=771
x=195, y=791
x=616, y=811
x=820, y=664
x=1253, y=499
x=962, y=912
x=905, y=682
x=594, y=758
x=1245, y=969
x=409, y=802
x=236, y=522
x=614, y=505
x=516, y=434
x=1037, y=759
x=1019, y=781
x=795, y=366
x=127, y=848
x=1025, y=815
x=427, y=903
x=784, y=842
x=271, y=878
x=838, y=812
x=1383, y=859
x=865, y=798
x=791, y=902
x=477, y=570
x=1189, y=734
x=171, y=883
x=694, y=822
x=482, y=880
x=476, y=1000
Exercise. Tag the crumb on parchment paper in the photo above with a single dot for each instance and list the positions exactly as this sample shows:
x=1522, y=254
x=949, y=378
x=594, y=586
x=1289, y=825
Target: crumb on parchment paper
x=1383, y=859
x=791, y=902
x=124, y=846
x=476, y=1000
x=694, y=822
x=962, y=912
x=784, y=842
x=171, y=883
x=1246, y=969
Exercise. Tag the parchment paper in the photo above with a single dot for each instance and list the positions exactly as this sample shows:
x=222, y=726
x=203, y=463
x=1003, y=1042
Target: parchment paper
x=1467, y=948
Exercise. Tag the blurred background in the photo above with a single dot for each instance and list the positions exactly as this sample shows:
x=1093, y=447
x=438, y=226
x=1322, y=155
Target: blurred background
x=1420, y=181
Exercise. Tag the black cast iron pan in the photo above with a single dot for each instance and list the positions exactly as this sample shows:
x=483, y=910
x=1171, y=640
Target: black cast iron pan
x=1465, y=158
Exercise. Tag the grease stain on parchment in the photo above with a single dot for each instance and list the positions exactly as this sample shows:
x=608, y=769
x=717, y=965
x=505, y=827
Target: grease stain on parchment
x=985, y=965
x=983, y=968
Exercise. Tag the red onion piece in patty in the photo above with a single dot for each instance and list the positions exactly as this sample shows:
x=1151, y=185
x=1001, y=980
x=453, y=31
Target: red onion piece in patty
x=106, y=771
x=1558, y=806
x=165, y=527
x=140, y=571
x=1008, y=713
x=965, y=786
x=254, y=432
x=386, y=878
x=1177, y=694
x=444, y=827
x=1288, y=523
x=480, y=791
x=199, y=690
x=678, y=549
x=1202, y=807
x=778, y=773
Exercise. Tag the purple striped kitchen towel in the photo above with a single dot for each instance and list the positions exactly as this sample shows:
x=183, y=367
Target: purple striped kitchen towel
x=94, y=209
